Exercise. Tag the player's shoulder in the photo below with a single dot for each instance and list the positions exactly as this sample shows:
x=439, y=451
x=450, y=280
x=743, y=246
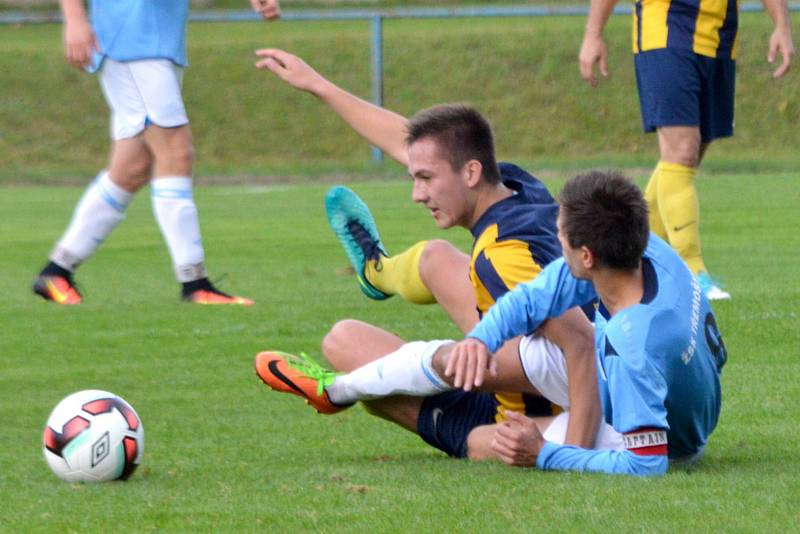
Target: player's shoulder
x=525, y=183
x=627, y=331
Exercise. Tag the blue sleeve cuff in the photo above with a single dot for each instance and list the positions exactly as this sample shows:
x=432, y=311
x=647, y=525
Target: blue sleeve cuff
x=547, y=450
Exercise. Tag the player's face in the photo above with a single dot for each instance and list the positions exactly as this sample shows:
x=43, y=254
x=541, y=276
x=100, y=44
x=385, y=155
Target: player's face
x=438, y=187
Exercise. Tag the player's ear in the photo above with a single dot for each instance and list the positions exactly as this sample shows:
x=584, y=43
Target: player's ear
x=473, y=171
x=587, y=258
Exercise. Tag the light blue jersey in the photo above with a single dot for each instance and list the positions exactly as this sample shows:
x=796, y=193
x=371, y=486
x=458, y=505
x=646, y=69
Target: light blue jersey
x=128, y=30
x=658, y=362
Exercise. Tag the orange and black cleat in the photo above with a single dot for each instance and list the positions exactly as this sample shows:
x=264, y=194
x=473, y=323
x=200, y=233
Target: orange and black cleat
x=59, y=289
x=202, y=291
x=214, y=296
x=298, y=375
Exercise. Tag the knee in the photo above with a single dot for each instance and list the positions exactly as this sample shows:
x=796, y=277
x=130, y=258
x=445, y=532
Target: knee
x=684, y=150
x=135, y=174
x=335, y=345
x=435, y=251
x=181, y=155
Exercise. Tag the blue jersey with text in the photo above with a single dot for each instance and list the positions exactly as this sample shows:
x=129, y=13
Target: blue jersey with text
x=658, y=361
x=129, y=30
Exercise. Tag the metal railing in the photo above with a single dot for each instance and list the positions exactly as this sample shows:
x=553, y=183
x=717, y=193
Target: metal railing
x=375, y=18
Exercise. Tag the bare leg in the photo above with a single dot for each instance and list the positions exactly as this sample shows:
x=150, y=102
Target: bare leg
x=130, y=163
x=172, y=149
x=445, y=271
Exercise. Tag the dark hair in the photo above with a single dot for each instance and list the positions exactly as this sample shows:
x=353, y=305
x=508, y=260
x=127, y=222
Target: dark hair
x=461, y=133
x=606, y=212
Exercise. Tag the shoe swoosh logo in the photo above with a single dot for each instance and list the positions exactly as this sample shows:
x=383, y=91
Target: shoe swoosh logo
x=436, y=415
x=273, y=368
x=681, y=227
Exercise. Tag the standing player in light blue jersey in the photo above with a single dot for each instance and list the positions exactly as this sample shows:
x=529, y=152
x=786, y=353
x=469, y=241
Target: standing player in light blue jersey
x=659, y=352
x=138, y=49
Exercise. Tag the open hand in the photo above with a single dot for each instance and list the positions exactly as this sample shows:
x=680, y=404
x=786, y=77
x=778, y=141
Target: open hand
x=468, y=362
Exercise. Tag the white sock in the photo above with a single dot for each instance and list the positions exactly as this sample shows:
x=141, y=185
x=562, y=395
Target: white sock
x=406, y=371
x=100, y=210
x=176, y=213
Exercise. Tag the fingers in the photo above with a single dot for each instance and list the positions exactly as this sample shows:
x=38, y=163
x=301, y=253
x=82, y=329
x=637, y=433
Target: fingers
x=587, y=73
x=503, y=451
x=268, y=9
x=280, y=55
x=79, y=55
x=784, y=66
x=603, y=67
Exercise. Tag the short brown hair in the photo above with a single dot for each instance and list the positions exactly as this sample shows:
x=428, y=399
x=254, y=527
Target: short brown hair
x=606, y=212
x=461, y=133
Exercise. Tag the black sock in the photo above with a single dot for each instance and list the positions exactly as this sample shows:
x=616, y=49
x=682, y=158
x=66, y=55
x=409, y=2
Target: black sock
x=194, y=285
x=51, y=269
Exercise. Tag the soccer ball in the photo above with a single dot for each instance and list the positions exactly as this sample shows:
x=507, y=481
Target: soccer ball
x=93, y=436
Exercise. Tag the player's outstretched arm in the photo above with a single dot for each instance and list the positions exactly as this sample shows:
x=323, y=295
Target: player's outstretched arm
x=593, y=49
x=268, y=9
x=574, y=334
x=79, y=39
x=780, y=42
x=383, y=128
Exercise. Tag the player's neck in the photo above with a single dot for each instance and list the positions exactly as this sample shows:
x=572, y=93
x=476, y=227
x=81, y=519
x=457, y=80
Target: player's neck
x=619, y=289
x=487, y=198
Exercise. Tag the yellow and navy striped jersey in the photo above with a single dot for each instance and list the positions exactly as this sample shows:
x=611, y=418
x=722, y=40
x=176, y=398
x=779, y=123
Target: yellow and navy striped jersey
x=514, y=239
x=707, y=27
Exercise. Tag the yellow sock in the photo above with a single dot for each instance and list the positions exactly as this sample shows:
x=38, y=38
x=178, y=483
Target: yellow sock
x=399, y=275
x=651, y=196
x=680, y=212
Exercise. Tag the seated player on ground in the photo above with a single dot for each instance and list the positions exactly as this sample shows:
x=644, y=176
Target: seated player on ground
x=659, y=352
x=449, y=152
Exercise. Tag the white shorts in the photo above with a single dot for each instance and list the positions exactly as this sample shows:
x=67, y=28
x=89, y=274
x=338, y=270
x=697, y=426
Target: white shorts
x=142, y=92
x=607, y=437
x=545, y=368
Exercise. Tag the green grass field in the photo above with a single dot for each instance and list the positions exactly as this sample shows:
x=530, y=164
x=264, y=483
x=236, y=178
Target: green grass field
x=223, y=454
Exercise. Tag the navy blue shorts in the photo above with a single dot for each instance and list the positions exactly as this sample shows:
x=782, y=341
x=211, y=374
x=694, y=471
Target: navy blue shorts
x=445, y=420
x=680, y=88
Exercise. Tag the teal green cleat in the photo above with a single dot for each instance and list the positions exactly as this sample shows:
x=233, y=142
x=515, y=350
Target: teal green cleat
x=710, y=287
x=353, y=224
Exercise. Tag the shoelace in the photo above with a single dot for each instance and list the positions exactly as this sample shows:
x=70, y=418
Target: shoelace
x=364, y=240
x=310, y=368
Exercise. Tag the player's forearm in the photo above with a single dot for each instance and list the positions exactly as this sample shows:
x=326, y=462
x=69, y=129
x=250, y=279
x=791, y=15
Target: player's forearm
x=379, y=126
x=584, y=411
x=599, y=12
x=73, y=11
x=574, y=335
x=779, y=13
x=554, y=457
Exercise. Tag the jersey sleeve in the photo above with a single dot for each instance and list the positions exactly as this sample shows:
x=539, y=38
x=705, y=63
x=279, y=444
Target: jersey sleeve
x=554, y=457
x=522, y=310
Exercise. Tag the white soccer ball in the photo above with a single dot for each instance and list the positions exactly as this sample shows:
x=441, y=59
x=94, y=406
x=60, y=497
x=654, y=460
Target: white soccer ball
x=93, y=436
